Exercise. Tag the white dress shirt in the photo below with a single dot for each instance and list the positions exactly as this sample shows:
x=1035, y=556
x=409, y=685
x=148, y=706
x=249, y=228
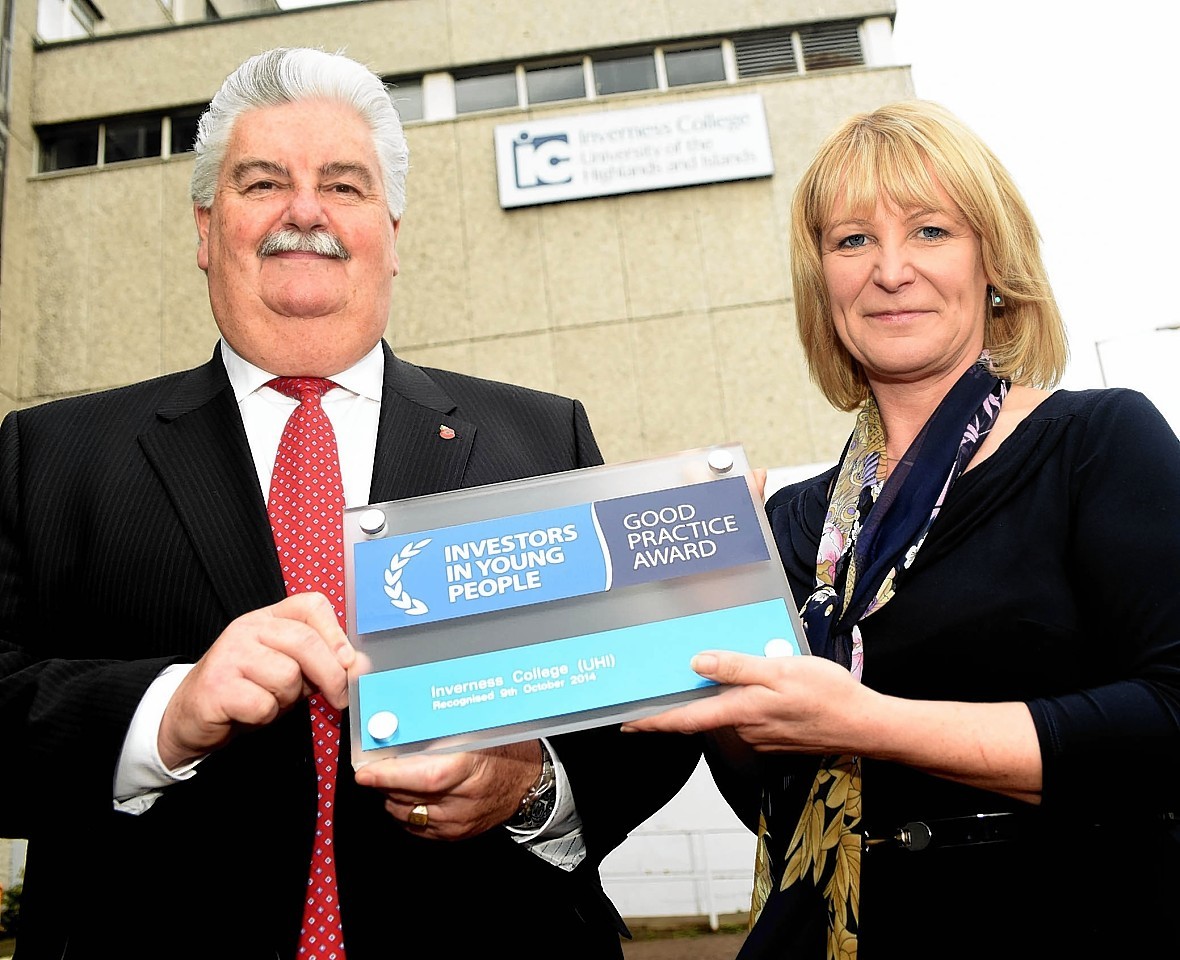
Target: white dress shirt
x=354, y=408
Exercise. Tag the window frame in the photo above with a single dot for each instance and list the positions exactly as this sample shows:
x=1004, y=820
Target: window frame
x=437, y=92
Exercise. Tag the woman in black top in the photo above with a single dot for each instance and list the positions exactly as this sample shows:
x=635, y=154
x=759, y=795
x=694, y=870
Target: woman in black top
x=983, y=756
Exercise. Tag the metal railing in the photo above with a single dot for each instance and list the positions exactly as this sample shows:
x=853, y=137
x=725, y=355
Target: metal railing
x=700, y=873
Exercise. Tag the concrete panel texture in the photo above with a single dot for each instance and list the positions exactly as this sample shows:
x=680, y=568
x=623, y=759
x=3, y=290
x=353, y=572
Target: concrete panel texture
x=667, y=313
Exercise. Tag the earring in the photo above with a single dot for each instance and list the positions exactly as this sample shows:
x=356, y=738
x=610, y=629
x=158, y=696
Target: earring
x=994, y=296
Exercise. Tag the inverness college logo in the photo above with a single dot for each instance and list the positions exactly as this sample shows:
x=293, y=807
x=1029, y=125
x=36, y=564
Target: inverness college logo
x=393, y=580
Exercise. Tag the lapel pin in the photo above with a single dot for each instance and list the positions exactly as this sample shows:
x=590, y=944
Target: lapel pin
x=446, y=432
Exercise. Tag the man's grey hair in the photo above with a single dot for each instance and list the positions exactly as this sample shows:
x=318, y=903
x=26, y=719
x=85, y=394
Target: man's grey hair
x=292, y=75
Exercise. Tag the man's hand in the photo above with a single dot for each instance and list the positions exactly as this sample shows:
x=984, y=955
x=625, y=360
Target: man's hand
x=261, y=665
x=464, y=793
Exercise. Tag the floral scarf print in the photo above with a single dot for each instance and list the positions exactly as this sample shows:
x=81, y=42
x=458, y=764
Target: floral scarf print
x=872, y=532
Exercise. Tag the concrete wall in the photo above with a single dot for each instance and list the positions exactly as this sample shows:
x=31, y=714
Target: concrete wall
x=667, y=313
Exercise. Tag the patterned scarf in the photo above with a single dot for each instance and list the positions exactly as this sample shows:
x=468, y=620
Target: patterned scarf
x=873, y=530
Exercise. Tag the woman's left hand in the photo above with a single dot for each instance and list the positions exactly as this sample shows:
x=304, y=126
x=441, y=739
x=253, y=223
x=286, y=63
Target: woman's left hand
x=790, y=704
x=811, y=705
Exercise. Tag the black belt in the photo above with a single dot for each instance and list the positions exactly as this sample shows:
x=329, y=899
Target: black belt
x=948, y=832
x=980, y=828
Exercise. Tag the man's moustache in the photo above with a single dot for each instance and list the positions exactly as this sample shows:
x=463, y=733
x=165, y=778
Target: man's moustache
x=295, y=241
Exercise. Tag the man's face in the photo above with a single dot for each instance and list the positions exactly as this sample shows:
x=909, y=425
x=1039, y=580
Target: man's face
x=299, y=247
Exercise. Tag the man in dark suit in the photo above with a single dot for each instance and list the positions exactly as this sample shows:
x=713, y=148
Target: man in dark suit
x=153, y=676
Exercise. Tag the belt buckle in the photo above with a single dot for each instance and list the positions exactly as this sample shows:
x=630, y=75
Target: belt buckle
x=918, y=835
x=914, y=836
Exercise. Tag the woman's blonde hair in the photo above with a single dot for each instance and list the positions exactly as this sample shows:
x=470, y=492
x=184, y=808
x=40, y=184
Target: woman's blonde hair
x=904, y=151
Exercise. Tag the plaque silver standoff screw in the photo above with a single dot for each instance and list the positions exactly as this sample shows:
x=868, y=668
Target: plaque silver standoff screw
x=778, y=647
x=721, y=461
x=372, y=522
x=382, y=725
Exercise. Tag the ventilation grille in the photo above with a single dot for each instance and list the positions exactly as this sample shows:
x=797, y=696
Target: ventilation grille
x=830, y=45
x=768, y=52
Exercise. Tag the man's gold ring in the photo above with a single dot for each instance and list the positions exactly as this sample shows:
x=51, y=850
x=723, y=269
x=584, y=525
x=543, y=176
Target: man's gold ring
x=419, y=816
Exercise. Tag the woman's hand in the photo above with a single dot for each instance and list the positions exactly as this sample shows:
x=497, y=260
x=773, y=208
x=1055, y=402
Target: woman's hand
x=785, y=704
x=811, y=705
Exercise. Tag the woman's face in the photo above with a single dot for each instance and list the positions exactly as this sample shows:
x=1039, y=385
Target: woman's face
x=907, y=290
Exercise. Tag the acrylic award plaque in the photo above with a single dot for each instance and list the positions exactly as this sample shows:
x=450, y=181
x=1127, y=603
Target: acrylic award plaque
x=522, y=609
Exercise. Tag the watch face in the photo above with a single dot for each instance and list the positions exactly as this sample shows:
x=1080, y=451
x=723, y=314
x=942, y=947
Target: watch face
x=538, y=812
x=538, y=803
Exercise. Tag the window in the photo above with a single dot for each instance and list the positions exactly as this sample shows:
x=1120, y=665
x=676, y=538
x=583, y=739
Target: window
x=5, y=81
x=777, y=50
x=70, y=146
x=485, y=92
x=694, y=66
x=563, y=82
x=407, y=96
x=132, y=139
x=66, y=19
x=624, y=74
x=118, y=139
x=184, y=129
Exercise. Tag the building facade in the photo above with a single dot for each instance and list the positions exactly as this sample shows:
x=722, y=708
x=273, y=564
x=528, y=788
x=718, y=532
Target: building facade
x=667, y=312
x=661, y=300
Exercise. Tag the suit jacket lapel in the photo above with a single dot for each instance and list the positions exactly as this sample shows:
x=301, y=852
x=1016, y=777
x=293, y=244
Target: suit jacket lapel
x=415, y=454
x=199, y=449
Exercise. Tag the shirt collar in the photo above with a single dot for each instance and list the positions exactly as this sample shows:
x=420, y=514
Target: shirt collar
x=364, y=378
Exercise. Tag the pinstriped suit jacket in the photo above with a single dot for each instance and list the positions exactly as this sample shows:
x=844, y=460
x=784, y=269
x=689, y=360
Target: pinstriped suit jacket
x=132, y=531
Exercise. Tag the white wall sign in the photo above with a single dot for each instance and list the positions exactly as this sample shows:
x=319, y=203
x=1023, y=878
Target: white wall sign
x=624, y=151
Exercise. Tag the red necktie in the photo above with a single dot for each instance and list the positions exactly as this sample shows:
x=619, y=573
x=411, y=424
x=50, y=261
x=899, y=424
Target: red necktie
x=306, y=510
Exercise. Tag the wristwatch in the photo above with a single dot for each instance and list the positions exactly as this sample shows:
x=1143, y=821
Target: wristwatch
x=537, y=804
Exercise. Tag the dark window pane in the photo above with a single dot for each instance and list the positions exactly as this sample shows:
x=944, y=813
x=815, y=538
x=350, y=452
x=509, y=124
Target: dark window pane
x=694, y=66
x=69, y=147
x=625, y=73
x=407, y=97
x=567, y=82
x=485, y=93
x=184, y=130
x=132, y=139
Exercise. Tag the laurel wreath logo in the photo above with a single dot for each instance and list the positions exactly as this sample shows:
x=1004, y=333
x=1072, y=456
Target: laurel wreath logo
x=393, y=580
